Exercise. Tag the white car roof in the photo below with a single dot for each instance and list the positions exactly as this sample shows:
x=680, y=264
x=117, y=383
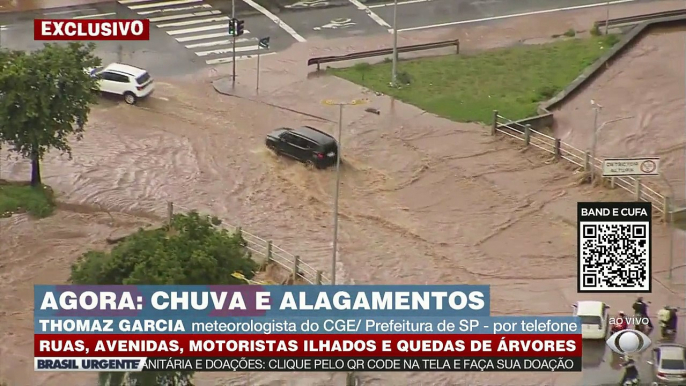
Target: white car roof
x=125, y=68
x=672, y=352
x=590, y=307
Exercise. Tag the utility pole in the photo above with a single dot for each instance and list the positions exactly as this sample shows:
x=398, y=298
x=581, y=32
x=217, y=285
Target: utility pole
x=596, y=131
x=120, y=47
x=338, y=179
x=594, y=139
x=607, y=17
x=394, y=75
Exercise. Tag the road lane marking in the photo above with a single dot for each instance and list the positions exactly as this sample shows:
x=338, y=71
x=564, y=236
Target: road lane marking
x=206, y=36
x=276, y=20
x=370, y=13
x=184, y=16
x=200, y=29
x=238, y=58
x=163, y=4
x=68, y=12
x=399, y=3
x=195, y=21
x=94, y=16
x=133, y=1
x=228, y=50
x=218, y=43
x=541, y=12
x=165, y=10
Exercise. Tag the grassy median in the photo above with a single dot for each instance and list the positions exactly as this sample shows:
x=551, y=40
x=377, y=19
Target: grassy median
x=468, y=88
x=22, y=198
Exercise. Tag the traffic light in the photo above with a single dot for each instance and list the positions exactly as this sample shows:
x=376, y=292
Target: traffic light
x=232, y=27
x=239, y=27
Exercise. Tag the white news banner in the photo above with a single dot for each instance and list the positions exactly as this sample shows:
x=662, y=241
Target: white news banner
x=88, y=364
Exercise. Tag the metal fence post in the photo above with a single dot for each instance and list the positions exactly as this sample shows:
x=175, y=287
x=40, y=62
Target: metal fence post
x=667, y=208
x=296, y=265
x=457, y=46
x=527, y=134
x=318, y=279
x=558, y=148
x=637, y=189
x=269, y=251
x=613, y=183
x=494, y=125
x=170, y=211
x=587, y=162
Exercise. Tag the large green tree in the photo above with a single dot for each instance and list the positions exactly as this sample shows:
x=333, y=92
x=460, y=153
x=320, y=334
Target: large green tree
x=45, y=98
x=191, y=249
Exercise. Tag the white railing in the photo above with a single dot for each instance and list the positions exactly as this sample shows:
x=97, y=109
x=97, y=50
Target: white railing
x=561, y=150
x=265, y=252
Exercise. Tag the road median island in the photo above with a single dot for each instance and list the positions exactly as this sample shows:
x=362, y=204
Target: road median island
x=468, y=88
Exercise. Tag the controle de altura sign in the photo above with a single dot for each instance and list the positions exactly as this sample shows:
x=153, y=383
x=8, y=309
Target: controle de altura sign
x=644, y=166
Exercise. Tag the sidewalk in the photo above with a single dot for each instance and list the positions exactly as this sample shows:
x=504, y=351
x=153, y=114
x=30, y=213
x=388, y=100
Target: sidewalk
x=7, y=6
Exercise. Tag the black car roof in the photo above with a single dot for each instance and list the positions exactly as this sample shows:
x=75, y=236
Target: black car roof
x=314, y=134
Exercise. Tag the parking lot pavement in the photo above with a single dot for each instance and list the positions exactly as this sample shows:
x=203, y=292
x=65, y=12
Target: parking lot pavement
x=204, y=30
x=332, y=22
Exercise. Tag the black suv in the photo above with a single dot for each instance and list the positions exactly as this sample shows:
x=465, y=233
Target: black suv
x=305, y=144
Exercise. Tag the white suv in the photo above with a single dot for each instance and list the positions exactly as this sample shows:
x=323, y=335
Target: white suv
x=131, y=82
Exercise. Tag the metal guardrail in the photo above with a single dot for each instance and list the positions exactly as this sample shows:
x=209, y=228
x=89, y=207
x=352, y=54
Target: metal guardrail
x=639, y=18
x=385, y=51
x=269, y=253
x=561, y=150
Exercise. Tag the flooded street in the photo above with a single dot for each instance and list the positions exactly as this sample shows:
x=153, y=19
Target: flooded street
x=423, y=201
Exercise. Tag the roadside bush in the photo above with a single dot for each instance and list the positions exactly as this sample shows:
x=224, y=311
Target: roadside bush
x=191, y=250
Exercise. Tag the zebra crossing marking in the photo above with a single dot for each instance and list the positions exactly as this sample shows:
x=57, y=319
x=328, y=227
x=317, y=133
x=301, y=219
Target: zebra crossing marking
x=198, y=27
x=183, y=16
x=196, y=21
x=173, y=2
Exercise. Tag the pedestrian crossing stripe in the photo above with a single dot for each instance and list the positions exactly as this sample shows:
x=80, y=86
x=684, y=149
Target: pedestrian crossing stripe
x=206, y=36
x=219, y=43
x=174, y=2
x=170, y=10
x=195, y=21
x=200, y=29
x=183, y=16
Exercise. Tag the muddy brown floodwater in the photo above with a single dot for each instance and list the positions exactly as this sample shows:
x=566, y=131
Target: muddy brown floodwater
x=643, y=93
x=423, y=200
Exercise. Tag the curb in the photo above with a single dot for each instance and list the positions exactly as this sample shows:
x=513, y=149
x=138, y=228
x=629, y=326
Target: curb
x=219, y=90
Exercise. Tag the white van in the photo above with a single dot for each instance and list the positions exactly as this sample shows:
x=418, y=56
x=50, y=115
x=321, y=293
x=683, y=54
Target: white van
x=131, y=82
x=594, y=318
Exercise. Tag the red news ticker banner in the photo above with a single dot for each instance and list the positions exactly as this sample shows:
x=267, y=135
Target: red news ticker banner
x=91, y=29
x=306, y=345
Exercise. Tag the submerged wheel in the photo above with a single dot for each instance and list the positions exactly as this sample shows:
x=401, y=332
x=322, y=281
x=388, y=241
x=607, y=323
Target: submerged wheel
x=129, y=98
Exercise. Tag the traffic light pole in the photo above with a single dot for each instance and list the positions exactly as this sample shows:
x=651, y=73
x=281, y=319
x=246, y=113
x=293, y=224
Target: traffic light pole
x=257, y=83
x=233, y=61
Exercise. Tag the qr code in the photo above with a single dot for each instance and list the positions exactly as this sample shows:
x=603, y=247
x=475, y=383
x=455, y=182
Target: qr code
x=614, y=256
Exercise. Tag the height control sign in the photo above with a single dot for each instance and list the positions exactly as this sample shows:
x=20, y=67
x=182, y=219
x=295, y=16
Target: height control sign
x=645, y=166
